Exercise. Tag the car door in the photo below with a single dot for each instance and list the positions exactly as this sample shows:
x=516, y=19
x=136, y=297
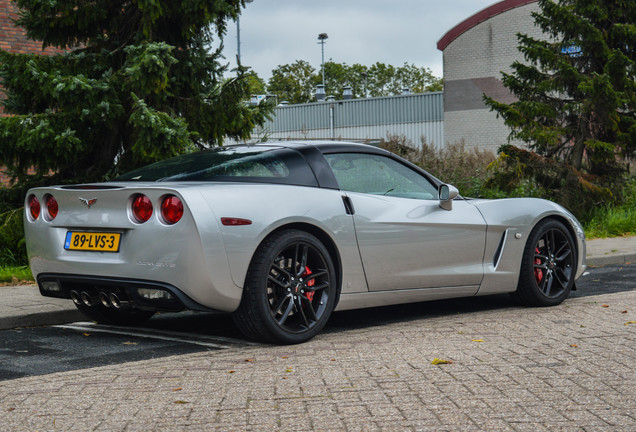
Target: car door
x=406, y=240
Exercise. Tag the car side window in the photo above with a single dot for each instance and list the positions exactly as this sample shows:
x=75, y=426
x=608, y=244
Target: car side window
x=379, y=175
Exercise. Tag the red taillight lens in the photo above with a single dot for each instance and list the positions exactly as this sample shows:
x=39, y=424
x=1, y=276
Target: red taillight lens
x=171, y=209
x=34, y=207
x=141, y=208
x=51, y=206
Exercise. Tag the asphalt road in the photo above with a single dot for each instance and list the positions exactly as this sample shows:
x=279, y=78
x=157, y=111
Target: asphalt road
x=45, y=350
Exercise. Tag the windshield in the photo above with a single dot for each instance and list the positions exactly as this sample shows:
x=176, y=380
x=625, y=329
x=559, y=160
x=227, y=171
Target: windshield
x=233, y=163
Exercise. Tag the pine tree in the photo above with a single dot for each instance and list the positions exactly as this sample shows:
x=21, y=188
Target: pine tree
x=137, y=83
x=577, y=91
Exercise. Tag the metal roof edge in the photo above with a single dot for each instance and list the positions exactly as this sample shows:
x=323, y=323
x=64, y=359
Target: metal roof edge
x=478, y=18
x=361, y=99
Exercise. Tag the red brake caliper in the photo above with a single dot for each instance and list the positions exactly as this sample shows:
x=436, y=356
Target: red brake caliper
x=538, y=273
x=310, y=283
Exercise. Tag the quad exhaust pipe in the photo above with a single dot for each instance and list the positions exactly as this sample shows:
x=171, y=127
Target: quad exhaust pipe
x=116, y=303
x=109, y=300
x=75, y=296
x=88, y=299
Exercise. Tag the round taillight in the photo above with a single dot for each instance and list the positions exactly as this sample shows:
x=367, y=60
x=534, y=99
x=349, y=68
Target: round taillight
x=34, y=207
x=171, y=209
x=141, y=208
x=51, y=206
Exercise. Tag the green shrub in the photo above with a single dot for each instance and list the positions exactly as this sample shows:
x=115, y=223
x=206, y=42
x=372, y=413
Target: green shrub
x=450, y=164
x=12, y=243
x=611, y=221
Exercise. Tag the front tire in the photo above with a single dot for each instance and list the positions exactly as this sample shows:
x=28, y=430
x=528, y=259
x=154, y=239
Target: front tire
x=290, y=289
x=548, y=265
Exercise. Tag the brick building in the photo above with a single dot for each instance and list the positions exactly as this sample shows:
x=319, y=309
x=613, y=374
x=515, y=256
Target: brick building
x=475, y=52
x=13, y=39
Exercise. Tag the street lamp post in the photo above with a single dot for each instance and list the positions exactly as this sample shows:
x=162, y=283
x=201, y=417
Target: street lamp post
x=365, y=76
x=322, y=37
x=238, y=35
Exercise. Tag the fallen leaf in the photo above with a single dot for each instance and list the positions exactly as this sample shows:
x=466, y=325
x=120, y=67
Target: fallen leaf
x=11, y=409
x=437, y=361
x=478, y=340
x=130, y=343
x=178, y=389
x=630, y=322
x=232, y=371
x=250, y=360
x=288, y=370
x=574, y=346
x=333, y=359
x=582, y=326
x=86, y=334
x=284, y=357
x=606, y=305
x=625, y=311
x=181, y=402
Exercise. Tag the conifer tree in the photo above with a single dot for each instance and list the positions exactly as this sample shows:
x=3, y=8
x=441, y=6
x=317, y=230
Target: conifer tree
x=137, y=82
x=577, y=91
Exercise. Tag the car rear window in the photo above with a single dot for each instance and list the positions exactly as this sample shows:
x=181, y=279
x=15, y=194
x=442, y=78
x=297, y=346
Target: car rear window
x=259, y=164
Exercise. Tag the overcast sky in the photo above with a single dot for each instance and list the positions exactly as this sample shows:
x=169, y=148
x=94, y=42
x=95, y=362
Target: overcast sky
x=275, y=32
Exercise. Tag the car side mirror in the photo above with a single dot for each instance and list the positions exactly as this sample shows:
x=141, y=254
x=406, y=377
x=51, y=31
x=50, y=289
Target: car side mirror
x=446, y=195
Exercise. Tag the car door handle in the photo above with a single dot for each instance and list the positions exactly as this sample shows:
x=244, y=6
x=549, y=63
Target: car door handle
x=348, y=205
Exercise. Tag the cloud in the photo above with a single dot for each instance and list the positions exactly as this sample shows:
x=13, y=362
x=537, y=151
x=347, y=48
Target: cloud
x=360, y=31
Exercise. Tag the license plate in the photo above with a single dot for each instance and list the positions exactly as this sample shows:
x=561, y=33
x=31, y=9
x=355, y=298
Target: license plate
x=92, y=241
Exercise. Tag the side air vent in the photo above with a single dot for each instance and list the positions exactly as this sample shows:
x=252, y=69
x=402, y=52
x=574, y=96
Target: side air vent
x=499, y=251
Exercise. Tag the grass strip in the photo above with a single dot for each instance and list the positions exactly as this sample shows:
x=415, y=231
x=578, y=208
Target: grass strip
x=15, y=275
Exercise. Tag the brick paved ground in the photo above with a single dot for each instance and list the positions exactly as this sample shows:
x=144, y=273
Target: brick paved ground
x=567, y=368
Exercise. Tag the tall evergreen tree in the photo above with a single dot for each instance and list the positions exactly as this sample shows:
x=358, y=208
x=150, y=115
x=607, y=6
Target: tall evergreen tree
x=137, y=83
x=577, y=91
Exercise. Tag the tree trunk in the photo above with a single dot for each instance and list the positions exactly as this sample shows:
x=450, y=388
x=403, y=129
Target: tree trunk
x=576, y=157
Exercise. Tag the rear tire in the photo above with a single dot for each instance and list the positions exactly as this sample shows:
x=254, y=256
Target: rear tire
x=548, y=265
x=104, y=315
x=290, y=289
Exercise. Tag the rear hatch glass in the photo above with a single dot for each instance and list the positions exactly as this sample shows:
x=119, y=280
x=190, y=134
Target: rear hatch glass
x=261, y=164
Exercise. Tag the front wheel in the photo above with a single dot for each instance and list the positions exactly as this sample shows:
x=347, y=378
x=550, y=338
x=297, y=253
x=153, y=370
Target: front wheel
x=548, y=265
x=290, y=289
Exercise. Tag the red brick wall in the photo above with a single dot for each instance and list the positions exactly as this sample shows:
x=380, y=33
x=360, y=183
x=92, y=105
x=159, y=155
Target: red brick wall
x=13, y=39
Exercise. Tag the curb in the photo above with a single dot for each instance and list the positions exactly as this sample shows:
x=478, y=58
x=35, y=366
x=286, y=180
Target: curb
x=41, y=319
x=600, y=261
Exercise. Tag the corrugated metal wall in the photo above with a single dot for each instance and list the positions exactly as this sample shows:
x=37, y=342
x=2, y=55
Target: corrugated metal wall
x=414, y=116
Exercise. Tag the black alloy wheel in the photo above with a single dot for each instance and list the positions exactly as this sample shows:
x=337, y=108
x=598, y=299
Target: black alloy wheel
x=548, y=266
x=290, y=289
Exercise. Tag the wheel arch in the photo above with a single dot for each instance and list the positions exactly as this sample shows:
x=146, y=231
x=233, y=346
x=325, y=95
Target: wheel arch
x=569, y=227
x=324, y=238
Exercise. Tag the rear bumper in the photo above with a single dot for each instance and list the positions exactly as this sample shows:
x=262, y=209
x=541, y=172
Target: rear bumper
x=140, y=294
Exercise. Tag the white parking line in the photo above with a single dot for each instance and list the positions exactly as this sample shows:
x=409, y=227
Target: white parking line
x=217, y=342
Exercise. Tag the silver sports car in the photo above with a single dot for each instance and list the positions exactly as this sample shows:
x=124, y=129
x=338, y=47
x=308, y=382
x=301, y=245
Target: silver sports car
x=282, y=234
